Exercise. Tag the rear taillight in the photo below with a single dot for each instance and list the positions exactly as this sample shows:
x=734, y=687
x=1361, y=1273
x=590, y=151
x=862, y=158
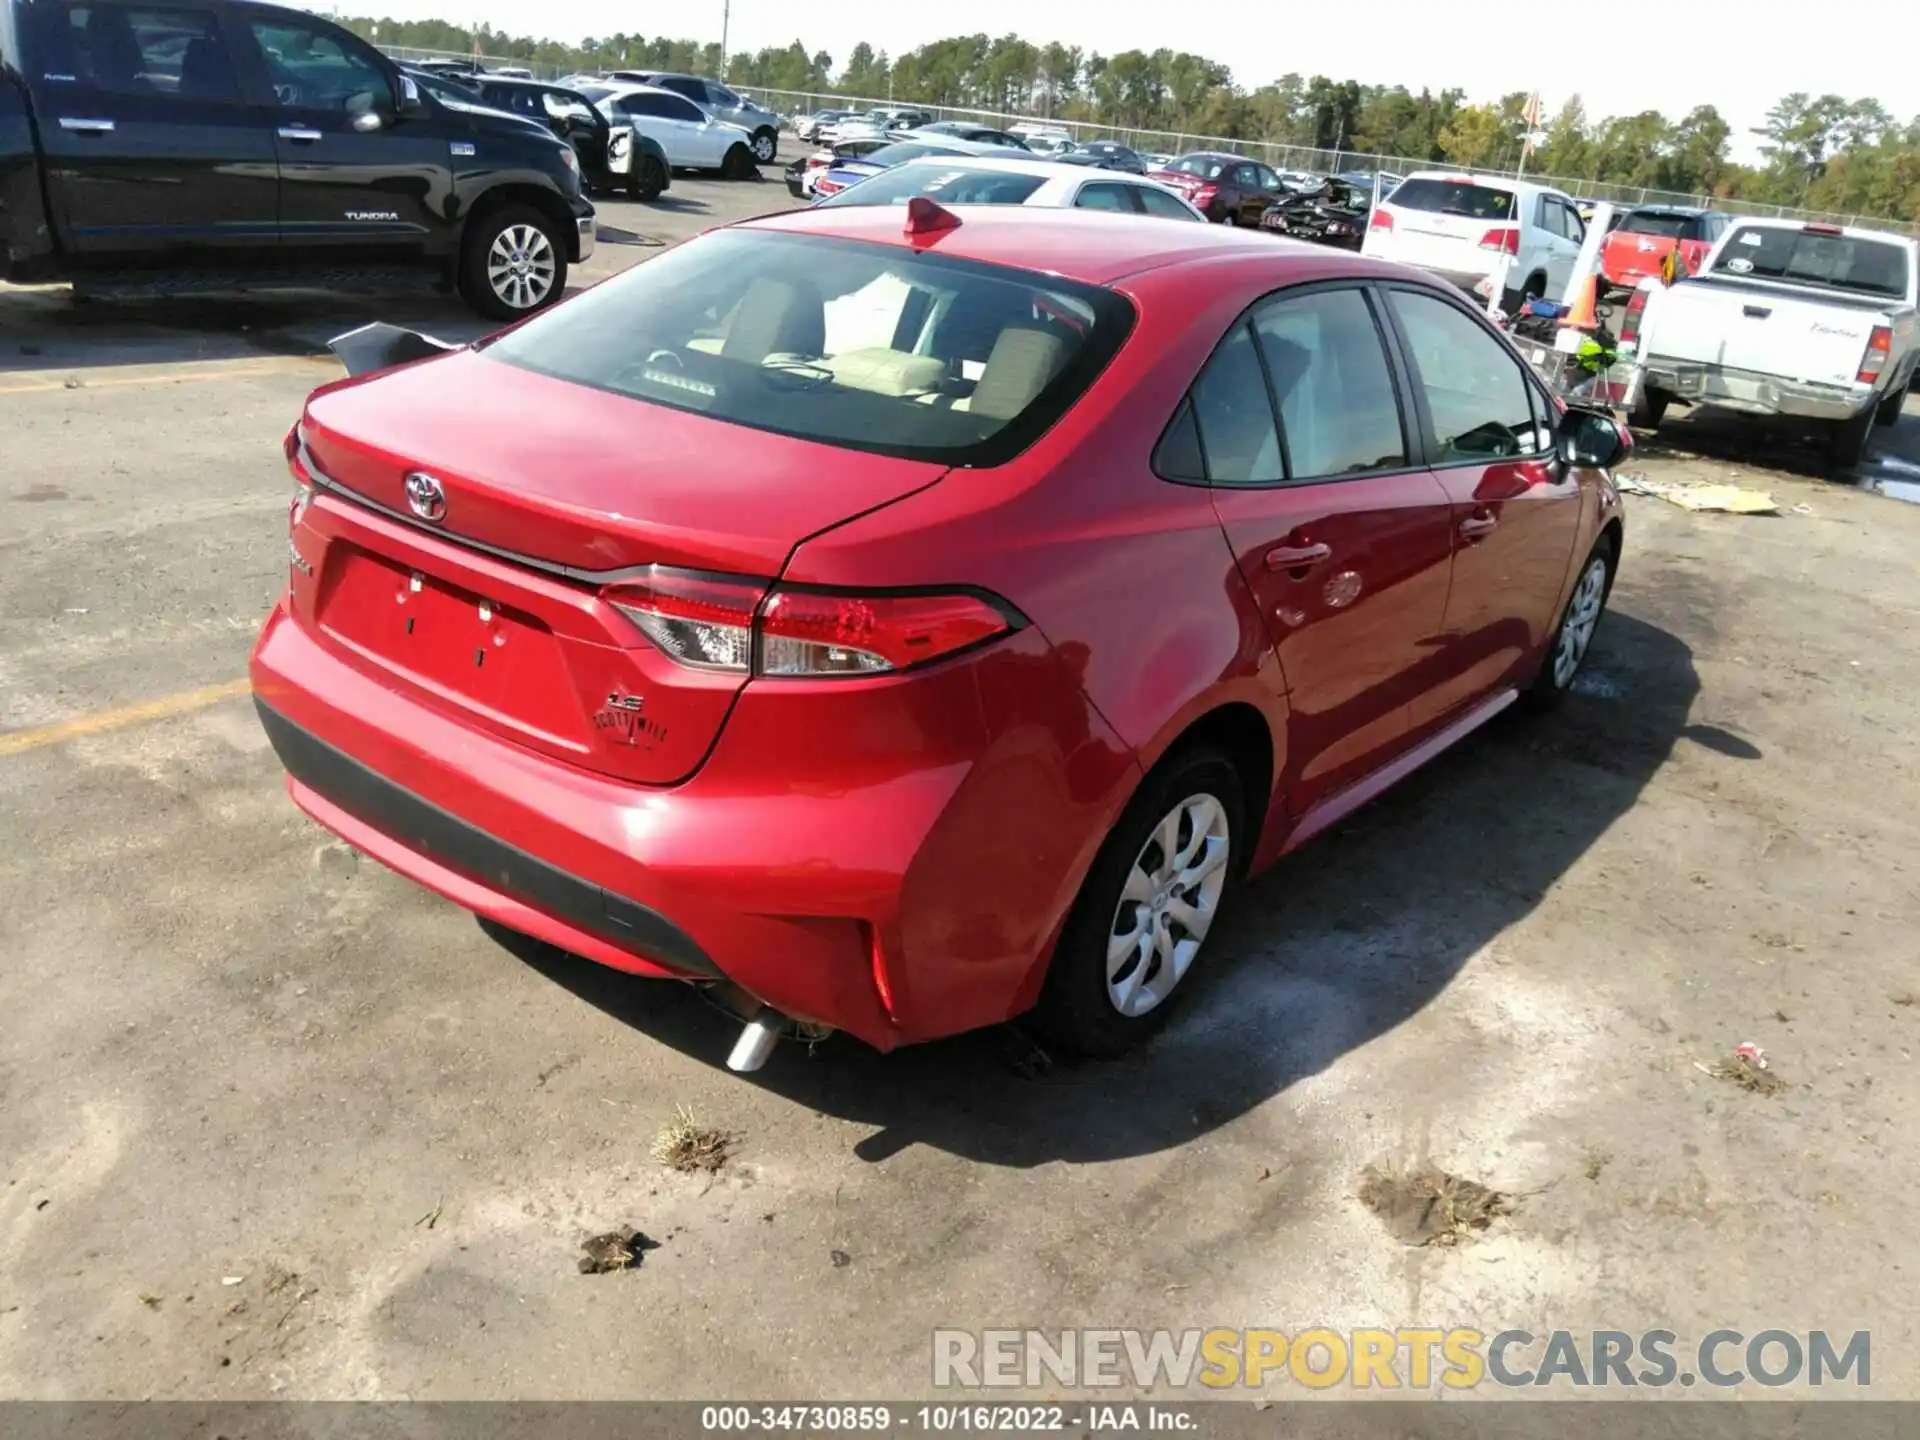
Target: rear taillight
x=713, y=622
x=1505, y=240
x=1380, y=220
x=702, y=621
x=1202, y=196
x=1879, y=347
x=1630, y=322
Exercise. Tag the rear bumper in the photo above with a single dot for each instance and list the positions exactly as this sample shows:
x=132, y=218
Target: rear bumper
x=1752, y=393
x=902, y=885
x=319, y=772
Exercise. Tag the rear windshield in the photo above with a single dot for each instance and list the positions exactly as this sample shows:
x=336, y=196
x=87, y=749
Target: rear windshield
x=1835, y=262
x=1673, y=227
x=955, y=184
x=1454, y=197
x=868, y=347
x=1207, y=167
x=907, y=150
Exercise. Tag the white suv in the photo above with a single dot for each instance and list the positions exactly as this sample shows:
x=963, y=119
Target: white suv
x=1480, y=231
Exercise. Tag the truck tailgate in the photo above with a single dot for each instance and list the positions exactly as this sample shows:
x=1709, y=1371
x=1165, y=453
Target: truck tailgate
x=1765, y=329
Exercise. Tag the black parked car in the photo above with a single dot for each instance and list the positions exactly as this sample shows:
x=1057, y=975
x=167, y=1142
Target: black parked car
x=1332, y=213
x=1110, y=155
x=607, y=157
x=968, y=130
x=241, y=143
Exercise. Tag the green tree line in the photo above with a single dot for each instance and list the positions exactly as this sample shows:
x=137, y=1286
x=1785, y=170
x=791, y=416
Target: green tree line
x=1822, y=152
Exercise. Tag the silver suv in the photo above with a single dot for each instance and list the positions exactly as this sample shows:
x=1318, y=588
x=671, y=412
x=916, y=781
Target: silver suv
x=724, y=105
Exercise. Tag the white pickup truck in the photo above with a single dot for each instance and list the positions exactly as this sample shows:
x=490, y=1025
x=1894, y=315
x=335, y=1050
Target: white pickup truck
x=1784, y=318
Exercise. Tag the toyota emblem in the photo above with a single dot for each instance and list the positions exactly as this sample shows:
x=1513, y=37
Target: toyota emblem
x=426, y=497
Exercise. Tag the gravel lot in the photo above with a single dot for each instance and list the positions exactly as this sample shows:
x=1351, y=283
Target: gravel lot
x=274, y=1122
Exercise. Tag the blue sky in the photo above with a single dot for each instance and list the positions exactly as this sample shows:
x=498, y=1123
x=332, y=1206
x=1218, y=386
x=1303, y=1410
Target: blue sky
x=1741, y=59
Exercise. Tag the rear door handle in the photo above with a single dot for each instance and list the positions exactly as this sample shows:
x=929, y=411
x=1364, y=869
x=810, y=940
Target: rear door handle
x=1297, y=557
x=82, y=126
x=300, y=133
x=1478, y=527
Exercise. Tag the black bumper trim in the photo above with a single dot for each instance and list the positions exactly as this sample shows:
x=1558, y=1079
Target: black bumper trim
x=450, y=841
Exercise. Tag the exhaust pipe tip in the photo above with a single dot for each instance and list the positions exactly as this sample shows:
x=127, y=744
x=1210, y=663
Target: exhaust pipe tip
x=756, y=1042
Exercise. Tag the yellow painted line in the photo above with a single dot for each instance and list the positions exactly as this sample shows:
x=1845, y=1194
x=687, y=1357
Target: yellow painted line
x=55, y=381
x=100, y=722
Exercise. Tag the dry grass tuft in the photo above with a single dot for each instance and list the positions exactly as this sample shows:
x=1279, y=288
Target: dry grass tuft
x=1427, y=1206
x=684, y=1144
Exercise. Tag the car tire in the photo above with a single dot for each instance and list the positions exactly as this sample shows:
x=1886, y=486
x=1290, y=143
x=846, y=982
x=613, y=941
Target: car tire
x=738, y=165
x=513, y=262
x=1095, y=1007
x=1847, y=439
x=1648, y=409
x=648, y=180
x=1572, y=638
x=766, y=146
x=1889, y=410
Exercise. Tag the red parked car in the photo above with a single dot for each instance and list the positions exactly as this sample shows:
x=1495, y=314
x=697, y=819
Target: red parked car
x=1639, y=244
x=910, y=622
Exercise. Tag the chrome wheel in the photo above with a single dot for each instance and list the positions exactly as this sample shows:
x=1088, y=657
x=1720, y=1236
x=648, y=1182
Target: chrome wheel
x=521, y=266
x=1167, y=904
x=764, y=148
x=1583, y=613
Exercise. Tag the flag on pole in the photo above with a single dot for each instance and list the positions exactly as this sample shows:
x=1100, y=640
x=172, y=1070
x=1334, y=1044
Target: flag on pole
x=1530, y=118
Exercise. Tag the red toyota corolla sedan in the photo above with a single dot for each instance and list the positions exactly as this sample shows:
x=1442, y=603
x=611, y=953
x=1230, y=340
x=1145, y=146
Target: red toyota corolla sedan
x=905, y=618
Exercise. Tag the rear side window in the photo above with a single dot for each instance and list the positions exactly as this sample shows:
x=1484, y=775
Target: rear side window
x=1235, y=417
x=1479, y=404
x=866, y=347
x=955, y=184
x=1454, y=197
x=1813, y=257
x=126, y=51
x=1338, y=411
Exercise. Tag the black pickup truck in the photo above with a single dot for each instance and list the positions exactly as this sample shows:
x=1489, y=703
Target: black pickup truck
x=220, y=141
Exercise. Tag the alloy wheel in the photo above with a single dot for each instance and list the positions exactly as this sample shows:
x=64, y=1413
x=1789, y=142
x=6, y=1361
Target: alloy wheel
x=521, y=266
x=1583, y=614
x=764, y=148
x=1167, y=905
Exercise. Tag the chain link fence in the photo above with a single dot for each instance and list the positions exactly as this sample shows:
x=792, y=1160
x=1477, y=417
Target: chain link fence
x=1322, y=162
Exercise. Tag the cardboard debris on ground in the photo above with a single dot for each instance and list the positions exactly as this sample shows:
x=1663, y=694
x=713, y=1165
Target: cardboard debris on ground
x=1727, y=499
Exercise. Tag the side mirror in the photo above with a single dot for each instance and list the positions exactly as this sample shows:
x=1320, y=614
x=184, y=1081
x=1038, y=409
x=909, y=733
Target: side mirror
x=408, y=102
x=1589, y=440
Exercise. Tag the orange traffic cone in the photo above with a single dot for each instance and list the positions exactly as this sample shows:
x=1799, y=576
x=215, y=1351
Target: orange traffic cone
x=1583, y=315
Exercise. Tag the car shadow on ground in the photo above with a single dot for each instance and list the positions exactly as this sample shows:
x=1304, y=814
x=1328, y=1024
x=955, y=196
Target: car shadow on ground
x=1782, y=444
x=1335, y=946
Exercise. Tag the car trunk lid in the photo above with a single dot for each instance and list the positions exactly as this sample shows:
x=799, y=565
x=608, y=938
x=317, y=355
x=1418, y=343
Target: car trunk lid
x=489, y=600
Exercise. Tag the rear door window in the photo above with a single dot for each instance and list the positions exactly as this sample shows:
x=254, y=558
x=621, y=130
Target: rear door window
x=860, y=346
x=1455, y=197
x=1477, y=400
x=1105, y=197
x=146, y=51
x=1339, y=414
x=1825, y=258
x=1160, y=203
